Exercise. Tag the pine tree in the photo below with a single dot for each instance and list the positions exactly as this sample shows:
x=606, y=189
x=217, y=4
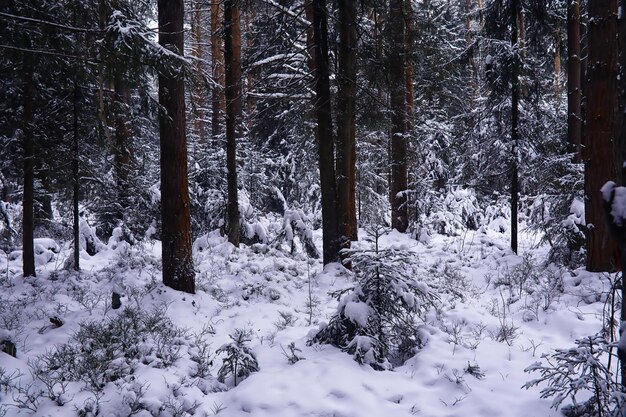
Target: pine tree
x=330, y=227
x=574, y=86
x=178, y=271
x=600, y=155
x=232, y=58
x=397, y=81
x=346, y=120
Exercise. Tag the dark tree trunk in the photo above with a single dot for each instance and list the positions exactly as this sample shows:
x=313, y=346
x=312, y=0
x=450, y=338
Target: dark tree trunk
x=178, y=271
x=346, y=120
x=600, y=153
x=330, y=225
x=397, y=78
x=76, y=180
x=515, y=12
x=28, y=218
x=122, y=151
x=232, y=60
x=216, y=71
x=410, y=90
x=621, y=143
x=621, y=121
x=574, y=87
x=199, y=97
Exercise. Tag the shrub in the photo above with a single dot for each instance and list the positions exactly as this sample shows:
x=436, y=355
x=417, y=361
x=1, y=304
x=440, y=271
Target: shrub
x=376, y=319
x=239, y=361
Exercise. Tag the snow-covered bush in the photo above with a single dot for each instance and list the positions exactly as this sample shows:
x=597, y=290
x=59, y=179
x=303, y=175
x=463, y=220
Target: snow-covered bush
x=449, y=213
x=376, y=321
x=297, y=224
x=105, y=351
x=580, y=372
x=239, y=361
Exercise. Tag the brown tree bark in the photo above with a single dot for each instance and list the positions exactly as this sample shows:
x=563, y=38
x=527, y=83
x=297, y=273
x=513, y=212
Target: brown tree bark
x=178, y=272
x=330, y=225
x=557, y=67
x=397, y=78
x=515, y=91
x=600, y=154
x=621, y=122
x=232, y=60
x=409, y=39
x=216, y=72
x=199, y=96
x=346, y=122
x=122, y=149
x=574, y=87
x=28, y=218
x=76, y=178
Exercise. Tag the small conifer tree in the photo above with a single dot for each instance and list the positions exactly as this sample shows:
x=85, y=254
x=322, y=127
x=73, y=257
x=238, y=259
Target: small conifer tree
x=376, y=319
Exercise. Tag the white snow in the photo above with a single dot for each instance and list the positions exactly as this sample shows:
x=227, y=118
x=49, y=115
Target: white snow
x=254, y=289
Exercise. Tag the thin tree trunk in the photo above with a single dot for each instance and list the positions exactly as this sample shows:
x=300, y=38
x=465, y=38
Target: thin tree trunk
x=600, y=154
x=410, y=90
x=346, y=120
x=198, y=99
x=28, y=218
x=557, y=67
x=515, y=10
x=232, y=60
x=178, y=272
x=621, y=121
x=216, y=72
x=122, y=150
x=621, y=144
x=397, y=77
x=574, y=87
x=330, y=226
x=76, y=179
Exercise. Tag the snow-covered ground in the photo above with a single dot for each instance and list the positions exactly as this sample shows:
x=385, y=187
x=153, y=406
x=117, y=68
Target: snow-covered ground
x=478, y=340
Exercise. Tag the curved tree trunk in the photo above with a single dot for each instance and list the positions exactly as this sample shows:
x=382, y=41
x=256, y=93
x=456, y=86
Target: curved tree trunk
x=178, y=271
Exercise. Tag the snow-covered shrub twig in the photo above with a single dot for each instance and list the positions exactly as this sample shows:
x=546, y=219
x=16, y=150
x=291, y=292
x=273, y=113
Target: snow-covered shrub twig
x=580, y=371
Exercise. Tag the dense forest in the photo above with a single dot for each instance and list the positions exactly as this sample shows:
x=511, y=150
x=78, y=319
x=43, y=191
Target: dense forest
x=376, y=175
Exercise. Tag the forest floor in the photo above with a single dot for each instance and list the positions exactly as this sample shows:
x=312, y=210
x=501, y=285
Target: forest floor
x=497, y=314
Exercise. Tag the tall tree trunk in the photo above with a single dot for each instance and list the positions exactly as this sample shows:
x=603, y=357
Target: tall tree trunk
x=216, y=72
x=178, y=271
x=600, y=154
x=621, y=145
x=122, y=149
x=76, y=179
x=199, y=97
x=28, y=220
x=346, y=121
x=515, y=19
x=232, y=60
x=557, y=67
x=621, y=134
x=410, y=90
x=330, y=225
x=397, y=78
x=574, y=87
